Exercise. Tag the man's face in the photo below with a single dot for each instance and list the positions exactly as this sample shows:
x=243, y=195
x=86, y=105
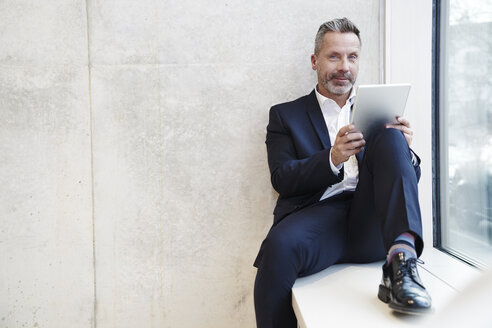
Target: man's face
x=337, y=63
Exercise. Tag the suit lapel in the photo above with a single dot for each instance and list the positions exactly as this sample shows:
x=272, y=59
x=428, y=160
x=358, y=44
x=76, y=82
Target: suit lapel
x=318, y=121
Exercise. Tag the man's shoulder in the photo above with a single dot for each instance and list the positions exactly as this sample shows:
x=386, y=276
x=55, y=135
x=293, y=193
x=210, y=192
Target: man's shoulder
x=296, y=105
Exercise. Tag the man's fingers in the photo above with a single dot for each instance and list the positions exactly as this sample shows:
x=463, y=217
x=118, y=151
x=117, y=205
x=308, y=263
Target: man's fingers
x=400, y=127
x=351, y=144
x=351, y=136
x=358, y=143
x=354, y=136
x=404, y=121
x=347, y=149
x=346, y=129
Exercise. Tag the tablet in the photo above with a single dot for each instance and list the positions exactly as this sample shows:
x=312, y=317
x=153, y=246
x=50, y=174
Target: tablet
x=378, y=103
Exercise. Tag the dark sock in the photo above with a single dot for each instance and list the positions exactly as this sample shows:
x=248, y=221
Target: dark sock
x=404, y=243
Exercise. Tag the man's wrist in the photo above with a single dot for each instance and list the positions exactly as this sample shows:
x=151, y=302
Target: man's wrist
x=415, y=158
x=335, y=168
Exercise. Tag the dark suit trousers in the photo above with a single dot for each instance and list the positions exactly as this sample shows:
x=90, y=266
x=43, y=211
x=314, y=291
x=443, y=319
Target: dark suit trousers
x=356, y=227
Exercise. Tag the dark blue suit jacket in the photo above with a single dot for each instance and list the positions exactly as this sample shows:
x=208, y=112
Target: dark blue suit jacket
x=298, y=145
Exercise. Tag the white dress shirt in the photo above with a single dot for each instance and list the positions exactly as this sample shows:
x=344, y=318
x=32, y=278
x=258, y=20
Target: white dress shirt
x=336, y=118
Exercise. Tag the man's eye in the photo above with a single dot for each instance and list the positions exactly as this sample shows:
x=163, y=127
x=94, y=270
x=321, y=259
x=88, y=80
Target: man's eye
x=353, y=57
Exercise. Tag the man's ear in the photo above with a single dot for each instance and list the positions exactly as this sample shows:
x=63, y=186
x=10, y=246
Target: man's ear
x=314, y=65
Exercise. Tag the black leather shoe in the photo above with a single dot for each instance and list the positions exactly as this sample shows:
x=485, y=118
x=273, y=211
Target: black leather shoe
x=402, y=288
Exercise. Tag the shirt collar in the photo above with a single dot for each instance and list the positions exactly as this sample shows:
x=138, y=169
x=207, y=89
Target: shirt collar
x=322, y=99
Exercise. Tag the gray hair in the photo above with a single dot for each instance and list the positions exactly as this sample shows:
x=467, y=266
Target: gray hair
x=340, y=25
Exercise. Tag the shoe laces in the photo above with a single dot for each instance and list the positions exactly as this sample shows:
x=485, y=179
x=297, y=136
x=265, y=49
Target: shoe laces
x=410, y=264
x=408, y=268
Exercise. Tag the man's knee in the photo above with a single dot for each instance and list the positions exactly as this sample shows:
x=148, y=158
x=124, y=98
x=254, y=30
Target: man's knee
x=389, y=143
x=281, y=246
x=388, y=137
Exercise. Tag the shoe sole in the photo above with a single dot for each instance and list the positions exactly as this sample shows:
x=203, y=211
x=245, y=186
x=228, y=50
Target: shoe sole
x=385, y=296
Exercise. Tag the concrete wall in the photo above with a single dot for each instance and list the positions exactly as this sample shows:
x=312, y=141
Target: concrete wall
x=135, y=185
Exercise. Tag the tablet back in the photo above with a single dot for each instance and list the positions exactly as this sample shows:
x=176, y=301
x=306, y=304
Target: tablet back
x=378, y=103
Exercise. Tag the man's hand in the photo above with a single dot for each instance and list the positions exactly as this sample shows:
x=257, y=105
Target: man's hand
x=347, y=143
x=404, y=127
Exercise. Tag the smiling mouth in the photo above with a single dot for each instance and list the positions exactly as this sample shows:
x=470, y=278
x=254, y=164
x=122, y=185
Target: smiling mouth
x=340, y=80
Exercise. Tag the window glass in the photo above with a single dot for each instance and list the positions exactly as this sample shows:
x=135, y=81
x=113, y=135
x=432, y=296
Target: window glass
x=465, y=129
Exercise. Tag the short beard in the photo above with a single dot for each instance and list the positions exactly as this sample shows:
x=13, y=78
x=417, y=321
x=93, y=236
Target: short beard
x=339, y=89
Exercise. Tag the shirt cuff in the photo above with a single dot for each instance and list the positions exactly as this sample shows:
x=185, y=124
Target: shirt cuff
x=415, y=162
x=336, y=169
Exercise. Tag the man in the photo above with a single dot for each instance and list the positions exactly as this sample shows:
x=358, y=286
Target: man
x=343, y=197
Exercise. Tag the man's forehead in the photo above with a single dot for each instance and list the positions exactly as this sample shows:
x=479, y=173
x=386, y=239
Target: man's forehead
x=341, y=40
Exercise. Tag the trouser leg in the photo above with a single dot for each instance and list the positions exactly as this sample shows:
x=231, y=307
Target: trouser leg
x=303, y=243
x=385, y=202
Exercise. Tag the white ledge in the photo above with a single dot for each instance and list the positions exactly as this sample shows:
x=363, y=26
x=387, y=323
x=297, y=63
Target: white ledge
x=345, y=295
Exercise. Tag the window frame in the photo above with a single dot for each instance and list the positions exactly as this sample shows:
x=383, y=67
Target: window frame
x=437, y=211
x=436, y=154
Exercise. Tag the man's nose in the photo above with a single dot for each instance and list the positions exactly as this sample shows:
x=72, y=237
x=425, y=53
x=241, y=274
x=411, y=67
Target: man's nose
x=343, y=65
